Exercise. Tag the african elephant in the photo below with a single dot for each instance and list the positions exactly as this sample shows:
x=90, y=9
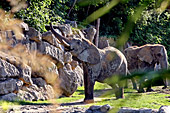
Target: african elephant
x=98, y=64
x=144, y=58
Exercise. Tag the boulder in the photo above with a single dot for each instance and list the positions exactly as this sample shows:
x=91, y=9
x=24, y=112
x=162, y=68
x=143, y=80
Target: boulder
x=24, y=95
x=90, y=33
x=78, y=34
x=74, y=64
x=135, y=110
x=48, y=92
x=33, y=34
x=34, y=93
x=11, y=38
x=9, y=97
x=50, y=38
x=164, y=109
x=8, y=70
x=14, y=68
x=67, y=57
x=80, y=79
x=31, y=93
x=52, y=51
x=9, y=86
x=32, y=46
x=68, y=80
x=65, y=29
x=25, y=74
x=39, y=82
x=105, y=108
x=49, y=74
x=19, y=84
x=24, y=26
x=98, y=109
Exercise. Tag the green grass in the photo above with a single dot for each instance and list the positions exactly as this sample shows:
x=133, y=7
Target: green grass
x=132, y=99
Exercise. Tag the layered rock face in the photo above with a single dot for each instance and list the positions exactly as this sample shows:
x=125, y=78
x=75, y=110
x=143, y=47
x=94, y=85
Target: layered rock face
x=27, y=78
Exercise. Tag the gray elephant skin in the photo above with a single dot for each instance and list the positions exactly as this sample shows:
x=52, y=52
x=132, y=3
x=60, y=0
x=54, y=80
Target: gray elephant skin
x=98, y=64
x=144, y=58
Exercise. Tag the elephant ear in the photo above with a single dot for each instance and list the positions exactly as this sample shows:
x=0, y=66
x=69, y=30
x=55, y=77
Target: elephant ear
x=90, y=55
x=144, y=54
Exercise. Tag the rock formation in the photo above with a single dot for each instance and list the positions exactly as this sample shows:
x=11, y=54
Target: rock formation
x=46, y=67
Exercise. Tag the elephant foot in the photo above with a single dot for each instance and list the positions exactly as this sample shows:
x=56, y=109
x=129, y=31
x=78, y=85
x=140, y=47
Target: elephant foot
x=119, y=97
x=164, y=87
x=88, y=101
x=141, y=91
x=149, y=90
x=135, y=88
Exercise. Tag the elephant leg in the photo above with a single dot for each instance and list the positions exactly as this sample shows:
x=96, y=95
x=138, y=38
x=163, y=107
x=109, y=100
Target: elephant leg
x=141, y=89
x=165, y=83
x=149, y=85
x=126, y=83
x=119, y=91
x=141, y=86
x=134, y=83
x=88, y=86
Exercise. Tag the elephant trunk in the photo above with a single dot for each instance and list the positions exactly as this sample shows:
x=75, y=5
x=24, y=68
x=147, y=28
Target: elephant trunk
x=65, y=42
x=164, y=65
x=164, y=61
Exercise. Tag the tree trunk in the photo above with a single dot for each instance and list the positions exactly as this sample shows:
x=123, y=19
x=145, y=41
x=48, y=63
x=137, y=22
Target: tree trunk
x=71, y=8
x=96, y=38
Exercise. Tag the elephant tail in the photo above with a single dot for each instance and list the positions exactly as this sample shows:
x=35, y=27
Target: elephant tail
x=128, y=72
x=133, y=80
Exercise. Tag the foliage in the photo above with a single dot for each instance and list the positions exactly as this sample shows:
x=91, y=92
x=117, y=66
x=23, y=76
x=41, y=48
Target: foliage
x=5, y=5
x=38, y=14
x=153, y=28
x=61, y=7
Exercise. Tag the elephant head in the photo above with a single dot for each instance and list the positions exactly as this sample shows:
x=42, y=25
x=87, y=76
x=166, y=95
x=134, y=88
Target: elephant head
x=160, y=55
x=82, y=48
x=149, y=53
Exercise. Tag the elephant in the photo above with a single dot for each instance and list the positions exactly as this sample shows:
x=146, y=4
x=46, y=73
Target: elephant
x=98, y=64
x=145, y=58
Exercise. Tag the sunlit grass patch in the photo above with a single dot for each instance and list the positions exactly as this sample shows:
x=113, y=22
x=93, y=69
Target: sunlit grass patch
x=5, y=105
x=79, y=94
x=153, y=100
x=99, y=86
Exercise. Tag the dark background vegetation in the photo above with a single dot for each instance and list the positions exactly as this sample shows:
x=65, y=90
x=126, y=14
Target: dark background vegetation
x=152, y=27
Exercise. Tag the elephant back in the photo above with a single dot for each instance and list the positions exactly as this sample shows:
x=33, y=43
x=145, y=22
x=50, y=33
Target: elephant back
x=113, y=63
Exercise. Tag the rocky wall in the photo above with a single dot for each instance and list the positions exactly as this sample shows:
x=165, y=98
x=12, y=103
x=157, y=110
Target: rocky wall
x=19, y=80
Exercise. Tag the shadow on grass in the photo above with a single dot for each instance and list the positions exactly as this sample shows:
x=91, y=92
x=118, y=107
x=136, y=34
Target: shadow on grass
x=30, y=103
x=81, y=92
x=72, y=103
